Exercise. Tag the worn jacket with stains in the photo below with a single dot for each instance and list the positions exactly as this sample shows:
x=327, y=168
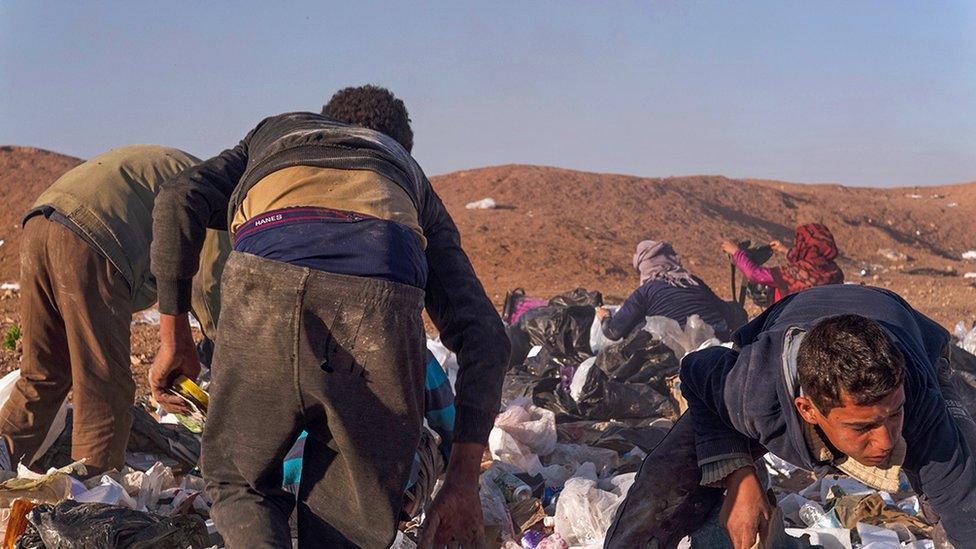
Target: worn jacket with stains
x=109, y=201
x=207, y=195
x=741, y=400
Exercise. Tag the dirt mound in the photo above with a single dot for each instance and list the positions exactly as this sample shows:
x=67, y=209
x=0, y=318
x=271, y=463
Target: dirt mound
x=24, y=173
x=555, y=229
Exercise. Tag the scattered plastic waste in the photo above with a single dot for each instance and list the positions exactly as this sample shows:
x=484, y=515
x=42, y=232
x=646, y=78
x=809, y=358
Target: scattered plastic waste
x=11, y=286
x=75, y=525
x=892, y=255
x=966, y=337
x=483, y=204
x=696, y=335
x=971, y=254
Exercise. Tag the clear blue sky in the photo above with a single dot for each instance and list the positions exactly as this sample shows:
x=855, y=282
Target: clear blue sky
x=864, y=93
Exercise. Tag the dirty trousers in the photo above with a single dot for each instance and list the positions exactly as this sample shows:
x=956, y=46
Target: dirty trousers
x=76, y=309
x=341, y=357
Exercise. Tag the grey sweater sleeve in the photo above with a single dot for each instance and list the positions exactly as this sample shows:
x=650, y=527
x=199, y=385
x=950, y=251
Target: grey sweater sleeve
x=187, y=205
x=468, y=323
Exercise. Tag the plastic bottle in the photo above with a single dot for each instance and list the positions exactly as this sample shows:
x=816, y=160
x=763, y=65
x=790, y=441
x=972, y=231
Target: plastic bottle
x=814, y=516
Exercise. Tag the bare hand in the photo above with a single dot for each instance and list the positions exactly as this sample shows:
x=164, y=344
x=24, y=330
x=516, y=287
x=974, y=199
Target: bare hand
x=778, y=246
x=602, y=313
x=729, y=248
x=176, y=356
x=745, y=511
x=455, y=518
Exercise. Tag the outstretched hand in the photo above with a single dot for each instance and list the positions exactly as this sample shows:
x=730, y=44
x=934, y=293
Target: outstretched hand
x=778, y=247
x=455, y=518
x=745, y=511
x=729, y=247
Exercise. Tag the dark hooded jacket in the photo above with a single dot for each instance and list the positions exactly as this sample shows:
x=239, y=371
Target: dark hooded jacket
x=741, y=400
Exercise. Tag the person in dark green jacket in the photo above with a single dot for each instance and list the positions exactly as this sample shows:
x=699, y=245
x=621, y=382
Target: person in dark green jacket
x=84, y=272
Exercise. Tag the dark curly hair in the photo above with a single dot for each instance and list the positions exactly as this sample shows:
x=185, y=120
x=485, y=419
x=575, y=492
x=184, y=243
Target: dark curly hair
x=848, y=354
x=372, y=107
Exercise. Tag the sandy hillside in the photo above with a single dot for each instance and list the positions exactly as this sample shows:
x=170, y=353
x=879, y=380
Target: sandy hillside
x=556, y=229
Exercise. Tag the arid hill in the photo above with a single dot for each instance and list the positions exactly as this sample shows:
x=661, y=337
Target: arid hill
x=555, y=229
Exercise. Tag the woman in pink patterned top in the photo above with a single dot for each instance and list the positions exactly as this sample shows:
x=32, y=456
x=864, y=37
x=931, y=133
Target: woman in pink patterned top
x=809, y=263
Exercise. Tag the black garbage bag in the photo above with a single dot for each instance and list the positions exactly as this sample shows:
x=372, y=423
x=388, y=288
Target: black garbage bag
x=604, y=399
x=577, y=298
x=618, y=436
x=639, y=358
x=546, y=364
x=74, y=525
x=59, y=454
x=521, y=384
x=564, y=331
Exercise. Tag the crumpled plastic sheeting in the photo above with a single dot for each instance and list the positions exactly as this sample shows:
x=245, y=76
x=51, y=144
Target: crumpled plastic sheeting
x=51, y=487
x=74, y=525
x=598, y=341
x=966, y=338
x=521, y=434
x=585, y=510
x=696, y=335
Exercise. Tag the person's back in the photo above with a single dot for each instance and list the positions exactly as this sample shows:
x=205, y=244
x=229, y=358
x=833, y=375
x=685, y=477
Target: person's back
x=109, y=200
x=339, y=242
x=85, y=270
x=668, y=290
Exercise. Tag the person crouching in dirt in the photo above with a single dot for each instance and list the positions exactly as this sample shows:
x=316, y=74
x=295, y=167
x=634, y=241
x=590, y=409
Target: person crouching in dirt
x=840, y=379
x=340, y=240
x=810, y=262
x=666, y=289
x=84, y=272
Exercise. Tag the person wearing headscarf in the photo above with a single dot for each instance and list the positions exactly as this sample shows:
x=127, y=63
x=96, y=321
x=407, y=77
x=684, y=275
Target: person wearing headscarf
x=668, y=290
x=810, y=262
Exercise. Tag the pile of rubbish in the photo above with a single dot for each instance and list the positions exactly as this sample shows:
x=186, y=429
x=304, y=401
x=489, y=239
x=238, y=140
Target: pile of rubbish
x=580, y=413
x=156, y=500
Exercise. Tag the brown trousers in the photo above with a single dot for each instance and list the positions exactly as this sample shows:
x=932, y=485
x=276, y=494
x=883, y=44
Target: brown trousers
x=76, y=310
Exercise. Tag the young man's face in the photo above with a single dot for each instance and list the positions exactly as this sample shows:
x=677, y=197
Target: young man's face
x=867, y=434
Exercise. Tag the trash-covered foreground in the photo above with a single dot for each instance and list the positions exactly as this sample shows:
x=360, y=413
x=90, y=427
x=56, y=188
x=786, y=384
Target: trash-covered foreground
x=581, y=412
x=579, y=415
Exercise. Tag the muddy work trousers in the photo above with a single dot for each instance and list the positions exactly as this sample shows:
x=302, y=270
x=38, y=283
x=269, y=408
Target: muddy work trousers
x=338, y=356
x=76, y=309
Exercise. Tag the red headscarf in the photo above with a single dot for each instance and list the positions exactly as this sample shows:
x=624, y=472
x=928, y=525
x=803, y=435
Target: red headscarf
x=811, y=260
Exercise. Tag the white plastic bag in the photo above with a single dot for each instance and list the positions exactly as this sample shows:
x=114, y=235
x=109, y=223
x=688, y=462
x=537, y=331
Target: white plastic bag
x=696, y=335
x=57, y=426
x=966, y=338
x=579, y=378
x=584, y=512
x=522, y=433
x=447, y=359
x=483, y=204
x=156, y=480
x=108, y=491
x=598, y=341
